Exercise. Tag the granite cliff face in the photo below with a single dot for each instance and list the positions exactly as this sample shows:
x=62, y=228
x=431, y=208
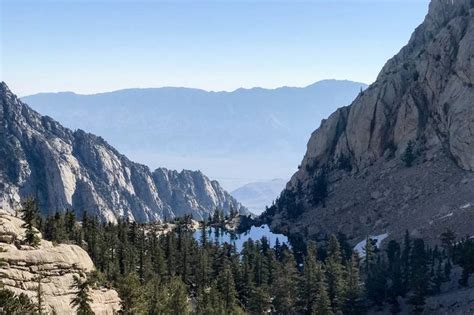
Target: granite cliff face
x=424, y=96
x=56, y=265
x=67, y=169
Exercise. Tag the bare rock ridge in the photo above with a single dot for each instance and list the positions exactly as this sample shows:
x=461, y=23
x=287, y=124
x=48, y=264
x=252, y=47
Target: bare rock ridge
x=56, y=265
x=67, y=169
x=424, y=96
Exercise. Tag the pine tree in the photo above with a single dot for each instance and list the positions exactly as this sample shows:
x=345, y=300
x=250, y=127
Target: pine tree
x=30, y=214
x=396, y=289
x=437, y=278
x=419, y=276
x=269, y=267
x=375, y=273
x=246, y=287
x=376, y=282
x=353, y=295
x=369, y=256
x=170, y=253
x=177, y=302
x=409, y=156
x=319, y=189
x=323, y=303
x=131, y=295
x=203, y=269
x=209, y=302
x=260, y=300
x=226, y=285
x=203, y=235
x=216, y=217
x=405, y=267
x=448, y=240
x=81, y=301
x=91, y=234
x=335, y=274
x=155, y=297
x=70, y=224
x=157, y=256
x=58, y=228
x=309, y=282
x=144, y=258
x=284, y=294
x=395, y=268
x=465, y=259
x=183, y=253
x=15, y=304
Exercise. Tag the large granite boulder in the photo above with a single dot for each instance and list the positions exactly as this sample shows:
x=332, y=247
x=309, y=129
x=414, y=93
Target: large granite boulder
x=53, y=266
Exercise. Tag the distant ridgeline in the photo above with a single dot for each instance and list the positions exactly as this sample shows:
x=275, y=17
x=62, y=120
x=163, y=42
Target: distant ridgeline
x=156, y=124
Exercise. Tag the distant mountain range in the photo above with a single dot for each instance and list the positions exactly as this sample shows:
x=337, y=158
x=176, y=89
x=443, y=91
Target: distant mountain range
x=65, y=169
x=257, y=195
x=231, y=136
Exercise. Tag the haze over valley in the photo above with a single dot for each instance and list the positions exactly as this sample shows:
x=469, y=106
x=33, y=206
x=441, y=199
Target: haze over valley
x=234, y=137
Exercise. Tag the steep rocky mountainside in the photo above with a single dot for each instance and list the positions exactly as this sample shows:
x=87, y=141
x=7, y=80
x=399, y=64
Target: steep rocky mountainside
x=53, y=266
x=423, y=99
x=67, y=169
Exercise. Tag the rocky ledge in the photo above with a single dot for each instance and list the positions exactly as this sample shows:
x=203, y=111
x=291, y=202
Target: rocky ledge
x=54, y=266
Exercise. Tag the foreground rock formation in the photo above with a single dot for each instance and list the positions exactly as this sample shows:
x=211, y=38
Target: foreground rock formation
x=423, y=98
x=67, y=169
x=55, y=265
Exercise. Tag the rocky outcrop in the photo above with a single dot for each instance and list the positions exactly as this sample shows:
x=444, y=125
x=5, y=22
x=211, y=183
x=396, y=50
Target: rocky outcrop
x=67, y=169
x=458, y=302
x=423, y=96
x=452, y=299
x=53, y=266
x=455, y=302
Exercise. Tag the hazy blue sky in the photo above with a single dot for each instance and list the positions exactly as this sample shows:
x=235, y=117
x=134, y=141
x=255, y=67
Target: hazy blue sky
x=92, y=46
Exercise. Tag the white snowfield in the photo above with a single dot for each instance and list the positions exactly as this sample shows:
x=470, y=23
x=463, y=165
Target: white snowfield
x=359, y=248
x=467, y=205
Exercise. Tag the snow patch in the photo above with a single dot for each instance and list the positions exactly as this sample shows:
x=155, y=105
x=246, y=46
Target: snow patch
x=359, y=248
x=446, y=216
x=467, y=205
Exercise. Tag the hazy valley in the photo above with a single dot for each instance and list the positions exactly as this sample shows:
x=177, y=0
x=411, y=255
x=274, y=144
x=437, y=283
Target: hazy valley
x=214, y=132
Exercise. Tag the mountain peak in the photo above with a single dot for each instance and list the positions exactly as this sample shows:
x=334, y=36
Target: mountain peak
x=441, y=11
x=5, y=91
x=4, y=87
